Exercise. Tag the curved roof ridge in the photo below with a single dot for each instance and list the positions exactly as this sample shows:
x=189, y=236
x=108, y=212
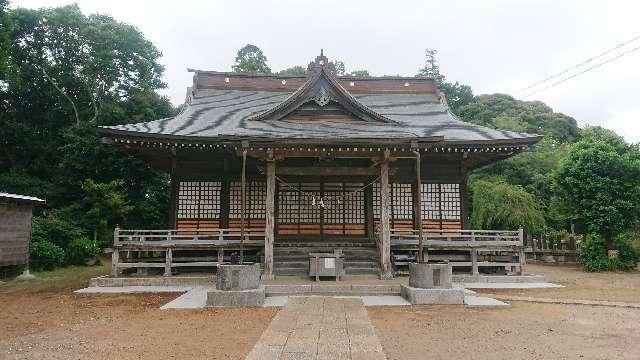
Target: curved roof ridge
x=322, y=87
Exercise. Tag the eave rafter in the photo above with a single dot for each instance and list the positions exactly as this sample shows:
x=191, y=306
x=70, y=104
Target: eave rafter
x=322, y=87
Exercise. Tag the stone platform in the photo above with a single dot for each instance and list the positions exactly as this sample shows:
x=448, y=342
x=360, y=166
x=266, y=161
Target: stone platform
x=419, y=296
x=236, y=298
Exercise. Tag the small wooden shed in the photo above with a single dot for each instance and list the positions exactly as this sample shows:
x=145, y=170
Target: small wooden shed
x=16, y=212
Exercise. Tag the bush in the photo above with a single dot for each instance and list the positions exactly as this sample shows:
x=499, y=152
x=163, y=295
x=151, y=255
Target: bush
x=593, y=254
x=56, y=229
x=627, y=254
x=45, y=255
x=80, y=250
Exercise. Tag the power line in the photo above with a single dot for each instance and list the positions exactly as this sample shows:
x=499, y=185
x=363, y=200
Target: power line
x=584, y=71
x=578, y=65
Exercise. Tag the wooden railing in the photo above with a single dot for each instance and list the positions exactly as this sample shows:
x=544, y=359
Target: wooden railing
x=123, y=237
x=474, y=243
x=470, y=238
x=168, y=241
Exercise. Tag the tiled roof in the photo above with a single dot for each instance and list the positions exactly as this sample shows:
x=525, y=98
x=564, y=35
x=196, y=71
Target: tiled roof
x=224, y=114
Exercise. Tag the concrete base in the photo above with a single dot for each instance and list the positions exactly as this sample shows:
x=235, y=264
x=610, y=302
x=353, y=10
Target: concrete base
x=238, y=277
x=430, y=276
x=418, y=296
x=108, y=281
x=236, y=298
x=25, y=276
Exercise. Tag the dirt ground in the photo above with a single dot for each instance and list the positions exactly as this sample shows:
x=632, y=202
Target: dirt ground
x=525, y=330
x=45, y=320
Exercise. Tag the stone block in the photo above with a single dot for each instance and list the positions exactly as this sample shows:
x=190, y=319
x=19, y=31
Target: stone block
x=430, y=276
x=236, y=298
x=238, y=277
x=419, y=296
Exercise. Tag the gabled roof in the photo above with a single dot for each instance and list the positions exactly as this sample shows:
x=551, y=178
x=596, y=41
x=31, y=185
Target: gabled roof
x=228, y=106
x=321, y=87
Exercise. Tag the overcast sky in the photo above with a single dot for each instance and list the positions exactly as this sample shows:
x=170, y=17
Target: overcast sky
x=493, y=46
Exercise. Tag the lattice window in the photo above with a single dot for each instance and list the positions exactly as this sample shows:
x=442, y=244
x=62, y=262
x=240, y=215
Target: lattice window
x=309, y=213
x=401, y=202
x=289, y=203
x=401, y=199
x=441, y=201
x=199, y=200
x=255, y=198
x=344, y=203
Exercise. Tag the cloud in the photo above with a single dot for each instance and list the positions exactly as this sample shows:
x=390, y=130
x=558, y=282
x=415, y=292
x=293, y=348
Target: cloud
x=493, y=46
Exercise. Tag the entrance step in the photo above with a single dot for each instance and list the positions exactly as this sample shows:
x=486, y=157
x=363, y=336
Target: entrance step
x=292, y=258
x=336, y=289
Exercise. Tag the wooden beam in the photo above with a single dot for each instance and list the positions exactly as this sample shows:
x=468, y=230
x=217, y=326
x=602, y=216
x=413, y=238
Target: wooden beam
x=269, y=232
x=327, y=171
x=385, y=228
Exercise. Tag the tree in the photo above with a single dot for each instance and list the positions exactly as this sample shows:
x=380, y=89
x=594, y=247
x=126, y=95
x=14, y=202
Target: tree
x=46, y=147
x=296, y=70
x=339, y=66
x=360, y=73
x=456, y=94
x=105, y=204
x=498, y=205
x=500, y=111
x=431, y=69
x=251, y=60
x=599, y=180
x=5, y=23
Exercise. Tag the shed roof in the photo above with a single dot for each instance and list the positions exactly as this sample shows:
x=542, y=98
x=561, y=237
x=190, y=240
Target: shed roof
x=227, y=106
x=21, y=198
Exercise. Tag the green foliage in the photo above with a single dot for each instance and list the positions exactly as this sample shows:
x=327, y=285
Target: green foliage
x=251, y=60
x=5, y=25
x=340, y=68
x=55, y=228
x=599, y=181
x=593, y=254
x=501, y=111
x=296, y=70
x=431, y=69
x=66, y=73
x=80, y=250
x=498, y=205
x=360, y=73
x=45, y=255
x=105, y=205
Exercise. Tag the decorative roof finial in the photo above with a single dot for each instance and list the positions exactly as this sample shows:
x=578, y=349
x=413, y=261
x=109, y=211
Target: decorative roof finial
x=321, y=52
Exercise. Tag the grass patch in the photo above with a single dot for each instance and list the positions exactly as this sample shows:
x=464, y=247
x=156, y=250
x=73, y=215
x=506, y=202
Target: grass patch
x=70, y=277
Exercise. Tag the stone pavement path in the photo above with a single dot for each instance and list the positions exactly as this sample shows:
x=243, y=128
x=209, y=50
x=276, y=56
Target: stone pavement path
x=319, y=328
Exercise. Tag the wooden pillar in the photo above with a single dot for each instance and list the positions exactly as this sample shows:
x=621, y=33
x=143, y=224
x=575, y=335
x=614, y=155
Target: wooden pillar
x=173, y=205
x=115, y=256
x=168, y=261
x=385, y=229
x=243, y=203
x=368, y=208
x=418, y=206
x=269, y=231
x=521, y=255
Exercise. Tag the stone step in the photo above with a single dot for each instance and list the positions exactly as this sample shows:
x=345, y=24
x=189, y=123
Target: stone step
x=335, y=289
